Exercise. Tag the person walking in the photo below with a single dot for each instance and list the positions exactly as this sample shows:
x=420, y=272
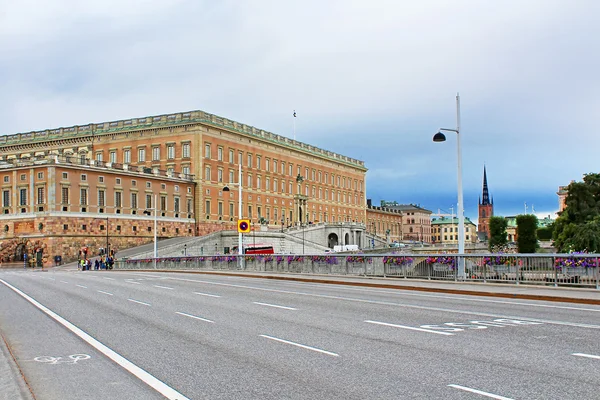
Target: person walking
x=96, y=264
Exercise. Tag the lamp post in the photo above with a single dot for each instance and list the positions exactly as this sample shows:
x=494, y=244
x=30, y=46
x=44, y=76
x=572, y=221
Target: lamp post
x=226, y=189
x=147, y=212
x=440, y=137
x=185, y=250
x=107, y=244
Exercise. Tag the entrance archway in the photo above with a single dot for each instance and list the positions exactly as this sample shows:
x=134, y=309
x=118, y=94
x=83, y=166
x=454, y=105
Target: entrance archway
x=332, y=240
x=347, y=238
x=20, y=250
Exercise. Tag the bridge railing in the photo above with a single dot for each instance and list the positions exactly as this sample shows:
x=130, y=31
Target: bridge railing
x=576, y=270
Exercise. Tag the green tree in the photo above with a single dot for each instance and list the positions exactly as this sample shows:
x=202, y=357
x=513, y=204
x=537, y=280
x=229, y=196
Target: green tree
x=527, y=233
x=545, y=233
x=575, y=228
x=497, y=233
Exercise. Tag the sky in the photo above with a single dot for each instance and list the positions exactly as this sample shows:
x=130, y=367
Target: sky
x=373, y=80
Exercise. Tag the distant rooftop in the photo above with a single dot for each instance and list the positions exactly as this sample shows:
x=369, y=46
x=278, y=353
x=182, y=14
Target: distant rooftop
x=168, y=120
x=449, y=221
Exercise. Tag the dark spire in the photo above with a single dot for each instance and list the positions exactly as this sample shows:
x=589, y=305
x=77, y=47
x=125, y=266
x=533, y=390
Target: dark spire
x=486, y=196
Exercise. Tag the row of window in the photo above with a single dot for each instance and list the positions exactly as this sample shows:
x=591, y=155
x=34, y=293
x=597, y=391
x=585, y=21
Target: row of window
x=118, y=181
x=273, y=185
x=279, y=215
x=134, y=228
x=451, y=237
x=141, y=153
x=276, y=166
x=119, y=203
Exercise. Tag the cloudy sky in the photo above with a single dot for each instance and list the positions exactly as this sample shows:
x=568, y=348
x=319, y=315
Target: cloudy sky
x=371, y=79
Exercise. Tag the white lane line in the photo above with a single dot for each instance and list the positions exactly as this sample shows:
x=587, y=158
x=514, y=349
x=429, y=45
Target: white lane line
x=81, y=286
x=389, y=303
x=195, y=317
x=138, y=372
x=206, y=294
x=586, y=355
x=110, y=279
x=100, y=291
x=135, y=283
x=274, y=306
x=64, y=282
x=486, y=394
x=139, y=302
x=300, y=345
x=409, y=328
x=52, y=279
x=163, y=287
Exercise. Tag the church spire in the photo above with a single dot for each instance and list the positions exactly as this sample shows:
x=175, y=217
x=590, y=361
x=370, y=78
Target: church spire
x=486, y=196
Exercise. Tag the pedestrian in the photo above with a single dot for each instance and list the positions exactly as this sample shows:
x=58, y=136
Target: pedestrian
x=96, y=264
x=102, y=265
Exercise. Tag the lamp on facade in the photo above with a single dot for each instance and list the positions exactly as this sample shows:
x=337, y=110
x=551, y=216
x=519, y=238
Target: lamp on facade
x=440, y=137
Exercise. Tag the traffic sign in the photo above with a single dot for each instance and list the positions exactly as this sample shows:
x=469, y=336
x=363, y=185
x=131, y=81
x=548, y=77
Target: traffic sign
x=243, y=225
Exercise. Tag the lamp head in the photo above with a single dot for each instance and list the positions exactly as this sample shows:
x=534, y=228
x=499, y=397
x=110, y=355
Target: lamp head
x=299, y=178
x=226, y=189
x=439, y=137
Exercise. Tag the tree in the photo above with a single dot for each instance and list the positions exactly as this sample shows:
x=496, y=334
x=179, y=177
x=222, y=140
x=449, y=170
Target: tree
x=527, y=233
x=576, y=227
x=545, y=233
x=497, y=233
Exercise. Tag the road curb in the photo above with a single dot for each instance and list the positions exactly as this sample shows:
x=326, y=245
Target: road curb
x=522, y=296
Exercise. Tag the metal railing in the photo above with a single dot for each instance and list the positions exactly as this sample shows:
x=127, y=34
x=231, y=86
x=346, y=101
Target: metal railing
x=576, y=270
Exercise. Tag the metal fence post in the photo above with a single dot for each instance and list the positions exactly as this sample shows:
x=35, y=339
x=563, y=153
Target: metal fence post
x=597, y=274
x=555, y=273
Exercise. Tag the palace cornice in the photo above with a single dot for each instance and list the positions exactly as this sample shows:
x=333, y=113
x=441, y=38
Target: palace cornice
x=169, y=121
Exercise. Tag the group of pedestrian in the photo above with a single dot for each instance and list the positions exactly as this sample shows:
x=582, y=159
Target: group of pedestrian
x=85, y=264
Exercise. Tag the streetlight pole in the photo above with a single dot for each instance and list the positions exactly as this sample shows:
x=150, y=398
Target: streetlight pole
x=107, y=249
x=440, y=137
x=155, y=228
x=240, y=238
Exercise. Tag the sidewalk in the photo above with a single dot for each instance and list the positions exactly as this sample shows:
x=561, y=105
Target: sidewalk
x=12, y=383
x=499, y=290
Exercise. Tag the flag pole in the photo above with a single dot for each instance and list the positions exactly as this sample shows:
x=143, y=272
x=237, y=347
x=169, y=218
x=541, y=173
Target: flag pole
x=294, y=124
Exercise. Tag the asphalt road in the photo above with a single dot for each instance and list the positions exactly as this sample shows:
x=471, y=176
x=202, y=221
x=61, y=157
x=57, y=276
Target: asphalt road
x=128, y=335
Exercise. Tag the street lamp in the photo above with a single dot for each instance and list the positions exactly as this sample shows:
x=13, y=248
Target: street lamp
x=185, y=250
x=440, y=137
x=226, y=189
x=147, y=212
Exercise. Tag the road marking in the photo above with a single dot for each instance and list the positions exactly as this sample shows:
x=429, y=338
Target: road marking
x=163, y=287
x=110, y=279
x=81, y=286
x=139, y=302
x=586, y=355
x=409, y=327
x=138, y=372
x=135, y=283
x=195, y=317
x=73, y=358
x=389, y=303
x=100, y=291
x=52, y=279
x=486, y=394
x=64, y=282
x=300, y=345
x=206, y=294
x=274, y=306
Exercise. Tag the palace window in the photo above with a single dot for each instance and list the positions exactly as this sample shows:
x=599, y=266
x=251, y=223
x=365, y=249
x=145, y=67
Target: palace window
x=6, y=198
x=134, y=202
x=41, y=195
x=156, y=154
x=220, y=153
x=141, y=155
x=186, y=150
x=127, y=156
x=83, y=196
x=171, y=152
x=101, y=200
x=118, y=199
x=23, y=197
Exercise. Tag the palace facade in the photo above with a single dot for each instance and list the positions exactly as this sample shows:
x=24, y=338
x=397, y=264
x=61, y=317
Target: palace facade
x=399, y=222
x=82, y=186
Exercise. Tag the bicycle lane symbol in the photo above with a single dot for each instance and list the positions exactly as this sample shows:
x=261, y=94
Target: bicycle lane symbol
x=72, y=359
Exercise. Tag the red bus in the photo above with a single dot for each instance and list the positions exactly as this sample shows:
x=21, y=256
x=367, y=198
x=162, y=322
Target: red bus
x=255, y=249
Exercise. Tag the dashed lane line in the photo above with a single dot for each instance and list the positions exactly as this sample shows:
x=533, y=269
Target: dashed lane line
x=101, y=291
x=274, y=306
x=206, y=294
x=409, y=328
x=163, y=287
x=194, y=316
x=480, y=392
x=586, y=355
x=303, y=346
x=140, y=302
x=81, y=286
